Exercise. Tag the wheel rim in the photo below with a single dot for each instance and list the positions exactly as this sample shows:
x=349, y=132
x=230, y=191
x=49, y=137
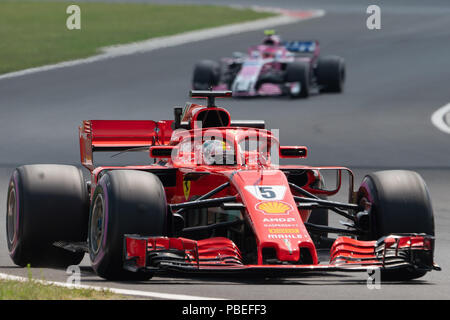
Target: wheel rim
x=97, y=224
x=11, y=215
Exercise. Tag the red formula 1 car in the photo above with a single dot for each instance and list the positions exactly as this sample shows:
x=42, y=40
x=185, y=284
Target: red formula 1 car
x=275, y=67
x=215, y=200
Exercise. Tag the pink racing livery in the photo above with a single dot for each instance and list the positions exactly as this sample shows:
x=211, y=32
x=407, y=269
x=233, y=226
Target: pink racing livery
x=273, y=68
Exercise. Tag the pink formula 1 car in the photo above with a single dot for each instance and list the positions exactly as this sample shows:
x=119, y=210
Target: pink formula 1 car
x=273, y=68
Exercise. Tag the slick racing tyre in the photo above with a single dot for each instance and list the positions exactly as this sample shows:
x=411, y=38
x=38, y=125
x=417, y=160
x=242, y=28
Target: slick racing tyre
x=206, y=75
x=124, y=202
x=297, y=72
x=330, y=73
x=46, y=204
x=400, y=204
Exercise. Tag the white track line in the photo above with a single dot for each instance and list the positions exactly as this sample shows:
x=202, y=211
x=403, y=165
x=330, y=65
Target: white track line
x=147, y=294
x=284, y=17
x=438, y=118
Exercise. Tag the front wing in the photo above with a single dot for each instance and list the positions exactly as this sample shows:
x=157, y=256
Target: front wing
x=220, y=255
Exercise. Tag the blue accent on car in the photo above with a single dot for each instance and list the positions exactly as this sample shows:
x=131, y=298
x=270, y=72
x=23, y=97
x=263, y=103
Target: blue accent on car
x=300, y=46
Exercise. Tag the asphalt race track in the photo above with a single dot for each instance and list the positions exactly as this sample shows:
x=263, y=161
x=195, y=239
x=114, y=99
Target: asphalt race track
x=397, y=77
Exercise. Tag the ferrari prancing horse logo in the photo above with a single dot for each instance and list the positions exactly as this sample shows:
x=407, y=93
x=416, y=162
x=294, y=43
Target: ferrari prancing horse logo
x=186, y=188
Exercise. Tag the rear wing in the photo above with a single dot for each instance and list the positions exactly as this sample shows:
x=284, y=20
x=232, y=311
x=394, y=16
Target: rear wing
x=311, y=46
x=119, y=135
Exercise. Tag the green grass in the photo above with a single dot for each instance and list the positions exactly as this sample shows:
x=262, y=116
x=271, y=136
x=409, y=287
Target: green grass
x=34, y=290
x=35, y=33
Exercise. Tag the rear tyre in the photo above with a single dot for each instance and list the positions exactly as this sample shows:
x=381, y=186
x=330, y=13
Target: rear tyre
x=206, y=75
x=124, y=202
x=400, y=204
x=300, y=73
x=45, y=204
x=330, y=73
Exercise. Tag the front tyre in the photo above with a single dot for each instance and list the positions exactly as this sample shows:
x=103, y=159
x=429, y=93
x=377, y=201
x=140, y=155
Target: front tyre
x=124, y=202
x=330, y=73
x=45, y=204
x=400, y=204
x=298, y=72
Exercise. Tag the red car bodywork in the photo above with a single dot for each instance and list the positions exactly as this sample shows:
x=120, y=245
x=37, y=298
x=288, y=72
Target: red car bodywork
x=278, y=219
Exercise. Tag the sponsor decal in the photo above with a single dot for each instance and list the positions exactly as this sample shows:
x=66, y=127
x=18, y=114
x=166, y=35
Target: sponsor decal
x=280, y=225
x=284, y=230
x=284, y=236
x=279, y=220
x=274, y=207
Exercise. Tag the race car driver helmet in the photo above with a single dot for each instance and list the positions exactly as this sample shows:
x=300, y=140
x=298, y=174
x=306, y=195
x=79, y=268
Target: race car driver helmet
x=271, y=39
x=216, y=152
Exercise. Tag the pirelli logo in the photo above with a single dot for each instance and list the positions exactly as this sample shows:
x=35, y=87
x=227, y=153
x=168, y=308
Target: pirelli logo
x=283, y=231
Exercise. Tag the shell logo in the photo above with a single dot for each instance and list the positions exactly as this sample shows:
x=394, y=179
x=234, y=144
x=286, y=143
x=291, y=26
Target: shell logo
x=274, y=207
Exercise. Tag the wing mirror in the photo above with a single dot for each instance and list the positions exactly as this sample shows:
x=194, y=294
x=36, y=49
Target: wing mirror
x=293, y=152
x=163, y=151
